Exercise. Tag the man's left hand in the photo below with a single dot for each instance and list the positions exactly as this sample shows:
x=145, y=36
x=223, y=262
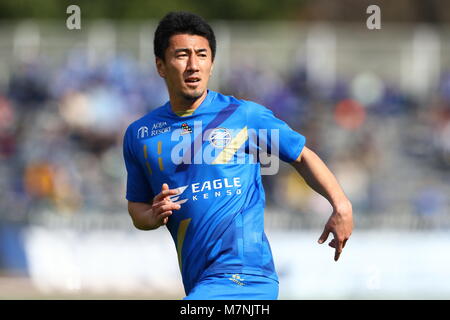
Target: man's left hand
x=340, y=224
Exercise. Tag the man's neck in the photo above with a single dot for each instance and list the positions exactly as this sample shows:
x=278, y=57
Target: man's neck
x=181, y=105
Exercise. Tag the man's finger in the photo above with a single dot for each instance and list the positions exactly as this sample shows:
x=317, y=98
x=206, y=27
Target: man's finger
x=171, y=206
x=343, y=245
x=168, y=207
x=336, y=255
x=158, y=204
x=165, y=205
x=338, y=250
x=164, y=217
x=332, y=244
x=165, y=214
x=168, y=192
x=324, y=236
x=165, y=193
x=165, y=189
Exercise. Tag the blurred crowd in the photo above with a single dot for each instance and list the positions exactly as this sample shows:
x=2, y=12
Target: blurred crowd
x=61, y=129
x=388, y=148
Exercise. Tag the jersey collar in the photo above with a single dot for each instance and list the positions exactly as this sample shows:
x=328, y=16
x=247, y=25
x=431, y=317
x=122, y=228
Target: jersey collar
x=208, y=99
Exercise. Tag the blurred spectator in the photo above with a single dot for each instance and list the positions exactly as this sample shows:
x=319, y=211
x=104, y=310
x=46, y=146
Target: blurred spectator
x=7, y=127
x=28, y=86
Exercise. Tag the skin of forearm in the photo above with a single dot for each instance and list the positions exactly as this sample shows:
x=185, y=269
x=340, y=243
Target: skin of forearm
x=317, y=175
x=141, y=215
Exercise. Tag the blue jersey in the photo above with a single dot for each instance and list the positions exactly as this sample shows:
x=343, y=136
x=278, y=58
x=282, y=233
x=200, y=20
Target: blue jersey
x=209, y=155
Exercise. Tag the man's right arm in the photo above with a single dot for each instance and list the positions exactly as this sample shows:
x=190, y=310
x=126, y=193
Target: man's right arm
x=141, y=214
x=148, y=216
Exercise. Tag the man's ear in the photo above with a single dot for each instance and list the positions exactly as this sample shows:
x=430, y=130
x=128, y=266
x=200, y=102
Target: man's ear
x=160, y=67
x=211, y=71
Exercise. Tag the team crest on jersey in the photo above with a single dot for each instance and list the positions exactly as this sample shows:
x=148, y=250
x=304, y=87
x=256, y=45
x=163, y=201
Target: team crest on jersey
x=220, y=137
x=185, y=129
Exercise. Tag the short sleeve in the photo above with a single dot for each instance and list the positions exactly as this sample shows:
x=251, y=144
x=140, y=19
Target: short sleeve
x=277, y=135
x=138, y=187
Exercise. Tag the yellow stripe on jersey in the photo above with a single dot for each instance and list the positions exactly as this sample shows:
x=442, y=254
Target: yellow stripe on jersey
x=160, y=161
x=180, y=238
x=159, y=147
x=228, y=152
x=145, y=152
x=146, y=161
x=148, y=167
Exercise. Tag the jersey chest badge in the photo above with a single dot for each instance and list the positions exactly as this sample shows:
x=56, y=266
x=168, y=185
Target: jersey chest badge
x=220, y=137
x=185, y=129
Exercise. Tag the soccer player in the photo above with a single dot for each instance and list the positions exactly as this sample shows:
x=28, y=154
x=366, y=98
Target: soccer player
x=191, y=167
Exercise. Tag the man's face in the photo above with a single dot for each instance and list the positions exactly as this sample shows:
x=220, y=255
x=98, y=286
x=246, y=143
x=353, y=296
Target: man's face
x=187, y=66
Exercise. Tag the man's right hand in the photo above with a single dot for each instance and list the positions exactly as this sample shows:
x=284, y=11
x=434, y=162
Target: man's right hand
x=162, y=205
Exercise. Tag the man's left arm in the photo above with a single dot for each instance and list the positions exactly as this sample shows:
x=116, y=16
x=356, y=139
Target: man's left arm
x=317, y=175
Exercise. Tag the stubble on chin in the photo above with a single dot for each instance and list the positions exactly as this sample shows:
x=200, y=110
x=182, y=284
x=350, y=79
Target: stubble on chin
x=191, y=97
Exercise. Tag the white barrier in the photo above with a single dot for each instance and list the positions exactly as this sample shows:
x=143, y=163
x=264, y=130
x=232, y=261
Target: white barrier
x=374, y=265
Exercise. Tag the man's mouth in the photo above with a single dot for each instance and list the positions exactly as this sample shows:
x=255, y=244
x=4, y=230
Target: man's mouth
x=192, y=80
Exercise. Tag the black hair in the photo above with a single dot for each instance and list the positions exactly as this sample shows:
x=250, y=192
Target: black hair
x=178, y=23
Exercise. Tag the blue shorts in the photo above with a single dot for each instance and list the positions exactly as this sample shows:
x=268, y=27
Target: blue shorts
x=230, y=286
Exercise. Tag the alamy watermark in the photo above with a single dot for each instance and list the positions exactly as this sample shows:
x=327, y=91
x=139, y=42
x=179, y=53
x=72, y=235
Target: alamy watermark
x=216, y=146
x=373, y=22
x=74, y=20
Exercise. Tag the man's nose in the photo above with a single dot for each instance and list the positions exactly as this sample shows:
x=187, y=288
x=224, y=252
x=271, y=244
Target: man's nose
x=193, y=63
